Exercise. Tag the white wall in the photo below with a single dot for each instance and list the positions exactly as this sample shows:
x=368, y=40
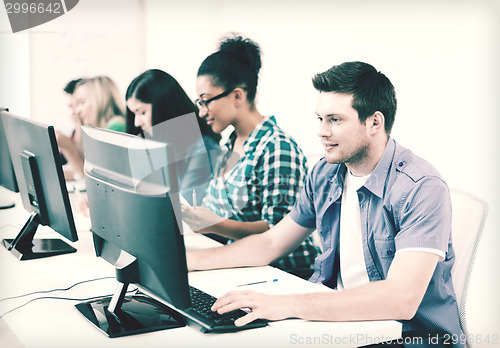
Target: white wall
x=95, y=38
x=14, y=68
x=442, y=56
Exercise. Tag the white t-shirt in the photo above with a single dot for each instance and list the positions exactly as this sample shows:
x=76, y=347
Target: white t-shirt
x=352, y=261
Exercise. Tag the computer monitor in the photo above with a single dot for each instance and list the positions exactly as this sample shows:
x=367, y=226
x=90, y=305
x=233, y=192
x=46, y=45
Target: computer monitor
x=35, y=156
x=7, y=176
x=131, y=186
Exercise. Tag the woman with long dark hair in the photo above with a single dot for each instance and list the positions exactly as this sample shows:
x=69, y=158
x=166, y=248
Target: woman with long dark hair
x=158, y=107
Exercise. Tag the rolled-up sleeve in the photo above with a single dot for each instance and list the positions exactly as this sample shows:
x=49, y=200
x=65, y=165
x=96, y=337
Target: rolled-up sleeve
x=303, y=211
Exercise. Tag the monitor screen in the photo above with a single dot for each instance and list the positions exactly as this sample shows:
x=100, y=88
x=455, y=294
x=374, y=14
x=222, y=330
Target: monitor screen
x=7, y=176
x=35, y=156
x=131, y=186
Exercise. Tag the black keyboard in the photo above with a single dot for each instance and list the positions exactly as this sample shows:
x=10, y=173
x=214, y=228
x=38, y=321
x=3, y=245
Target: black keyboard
x=210, y=321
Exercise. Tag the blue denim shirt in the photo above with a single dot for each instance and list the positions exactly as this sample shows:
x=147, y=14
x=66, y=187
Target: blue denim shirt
x=405, y=203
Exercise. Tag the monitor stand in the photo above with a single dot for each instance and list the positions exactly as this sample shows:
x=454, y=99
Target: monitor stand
x=119, y=316
x=24, y=247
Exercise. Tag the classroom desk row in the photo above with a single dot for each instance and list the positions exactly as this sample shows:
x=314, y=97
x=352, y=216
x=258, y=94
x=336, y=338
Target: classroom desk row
x=57, y=323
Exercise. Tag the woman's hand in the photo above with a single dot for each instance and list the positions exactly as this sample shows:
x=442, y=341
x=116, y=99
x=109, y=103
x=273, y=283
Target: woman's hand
x=200, y=219
x=262, y=306
x=83, y=206
x=64, y=142
x=73, y=155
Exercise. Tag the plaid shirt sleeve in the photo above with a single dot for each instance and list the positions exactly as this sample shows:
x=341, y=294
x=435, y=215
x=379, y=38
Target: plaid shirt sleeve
x=281, y=176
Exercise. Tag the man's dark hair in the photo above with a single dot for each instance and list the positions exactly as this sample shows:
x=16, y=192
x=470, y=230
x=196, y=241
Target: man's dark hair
x=372, y=91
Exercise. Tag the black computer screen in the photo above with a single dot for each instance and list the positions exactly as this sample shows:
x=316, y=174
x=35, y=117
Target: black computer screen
x=35, y=156
x=130, y=186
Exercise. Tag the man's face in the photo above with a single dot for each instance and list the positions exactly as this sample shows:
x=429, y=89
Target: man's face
x=345, y=139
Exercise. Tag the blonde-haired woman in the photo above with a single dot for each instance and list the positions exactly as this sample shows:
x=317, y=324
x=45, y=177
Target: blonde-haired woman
x=96, y=102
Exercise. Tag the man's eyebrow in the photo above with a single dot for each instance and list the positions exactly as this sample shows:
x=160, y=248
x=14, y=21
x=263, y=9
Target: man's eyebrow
x=329, y=115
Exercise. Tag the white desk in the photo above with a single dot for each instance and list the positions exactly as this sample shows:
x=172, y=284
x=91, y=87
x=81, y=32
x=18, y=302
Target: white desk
x=57, y=323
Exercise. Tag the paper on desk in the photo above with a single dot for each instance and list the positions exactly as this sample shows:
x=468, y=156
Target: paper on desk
x=218, y=282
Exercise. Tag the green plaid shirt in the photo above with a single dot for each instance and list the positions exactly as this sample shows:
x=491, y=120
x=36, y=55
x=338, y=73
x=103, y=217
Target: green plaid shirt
x=263, y=185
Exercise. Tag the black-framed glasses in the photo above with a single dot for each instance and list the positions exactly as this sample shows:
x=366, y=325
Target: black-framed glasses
x=204, y=103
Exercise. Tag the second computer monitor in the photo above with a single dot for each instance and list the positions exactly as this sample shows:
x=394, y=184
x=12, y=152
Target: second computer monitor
x=35, y=156
x=131, y=187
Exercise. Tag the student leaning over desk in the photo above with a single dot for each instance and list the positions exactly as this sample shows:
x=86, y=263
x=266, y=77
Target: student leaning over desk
x=261, y=170
x=383, y=215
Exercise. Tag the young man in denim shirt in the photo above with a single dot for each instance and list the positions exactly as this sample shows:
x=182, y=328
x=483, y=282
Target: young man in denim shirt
x=382, y=213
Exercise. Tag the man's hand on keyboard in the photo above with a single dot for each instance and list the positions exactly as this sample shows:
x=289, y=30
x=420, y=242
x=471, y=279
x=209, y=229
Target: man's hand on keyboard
x=262, y=306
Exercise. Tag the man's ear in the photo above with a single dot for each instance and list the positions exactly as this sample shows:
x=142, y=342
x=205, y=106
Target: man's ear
x=376, y=122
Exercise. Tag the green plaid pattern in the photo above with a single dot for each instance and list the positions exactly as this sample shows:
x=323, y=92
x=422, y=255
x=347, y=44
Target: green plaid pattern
x=263, y=185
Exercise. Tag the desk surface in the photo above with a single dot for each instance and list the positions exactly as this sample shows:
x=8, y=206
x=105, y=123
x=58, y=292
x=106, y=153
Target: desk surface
x=57, y=323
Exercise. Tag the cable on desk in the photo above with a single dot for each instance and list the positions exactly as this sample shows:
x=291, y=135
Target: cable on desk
x=9, y=225
x=62, y=298
x=53, y=290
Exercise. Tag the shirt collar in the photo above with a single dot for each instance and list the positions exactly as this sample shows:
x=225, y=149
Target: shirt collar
x=257, y=133
x=376, y=181
x=338, y=180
